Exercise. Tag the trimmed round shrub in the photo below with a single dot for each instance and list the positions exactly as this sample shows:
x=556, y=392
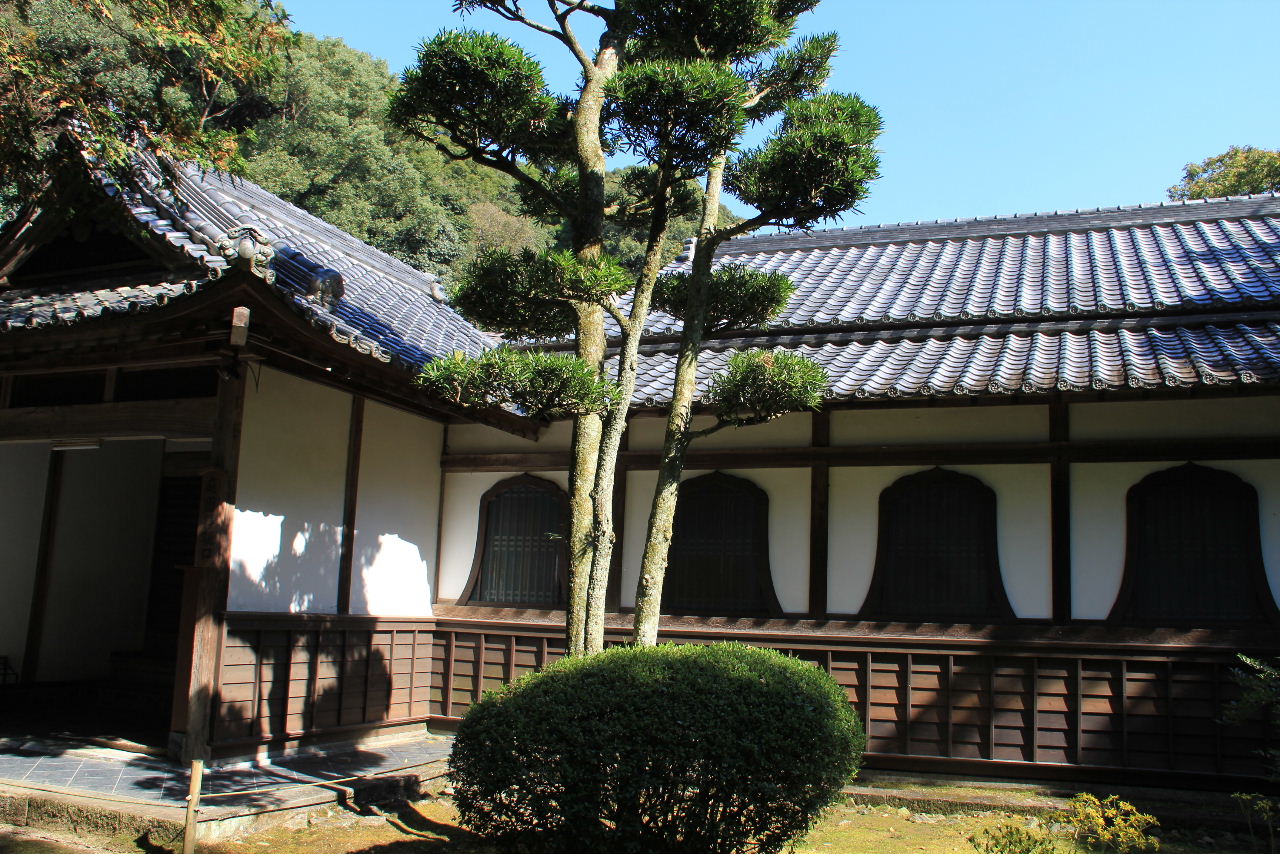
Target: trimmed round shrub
x=721, y=748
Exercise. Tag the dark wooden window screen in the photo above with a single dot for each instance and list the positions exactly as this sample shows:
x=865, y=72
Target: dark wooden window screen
x=719, y=559
x=937, y=558
x=1193, y=551
x=522, y=555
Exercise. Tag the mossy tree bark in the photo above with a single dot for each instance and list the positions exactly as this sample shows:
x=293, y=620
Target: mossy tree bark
x=632, y=328
x=662, y=513
x=588, y=237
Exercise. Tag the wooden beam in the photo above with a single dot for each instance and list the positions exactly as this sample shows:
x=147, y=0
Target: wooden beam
x=819, y=499
x=189, y=418
x=1060, y=513
x=44, y=556
x=205, y=587
x=355, y=438
x=613, y=593
x=109, y=385
x=1244, y=448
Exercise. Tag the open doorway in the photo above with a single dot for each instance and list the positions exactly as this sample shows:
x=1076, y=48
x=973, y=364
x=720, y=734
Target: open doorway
x=105, y=578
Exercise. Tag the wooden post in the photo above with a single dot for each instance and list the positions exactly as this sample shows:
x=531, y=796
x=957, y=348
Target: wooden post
x=819, y=495
x=205, y=586
x=1060, y=512
x=44, y=555
x=193, y=807
x=613, y=593
x=355, y=438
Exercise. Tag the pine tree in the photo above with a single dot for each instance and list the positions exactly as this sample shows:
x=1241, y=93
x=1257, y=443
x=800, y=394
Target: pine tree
x=675, y=85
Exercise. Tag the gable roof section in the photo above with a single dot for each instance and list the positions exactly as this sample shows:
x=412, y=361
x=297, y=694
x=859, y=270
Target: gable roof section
x=1175, y=294
x=383, y=307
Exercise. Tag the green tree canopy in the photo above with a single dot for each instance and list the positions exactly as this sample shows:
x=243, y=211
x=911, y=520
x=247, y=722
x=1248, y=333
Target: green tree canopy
x=327, y=147
x=184, y=73
x=1236, y=172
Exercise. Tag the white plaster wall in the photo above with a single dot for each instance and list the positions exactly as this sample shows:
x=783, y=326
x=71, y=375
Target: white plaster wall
x=1157, y=419
x=1098, y=517
x=788, y=491
x=789, y=431
x=24, y=468
x=1022, y=526
x=287, y=529
x=941, y=424
x=100, y=564
x=480, y=439
x=460, y=523
x=397, y=510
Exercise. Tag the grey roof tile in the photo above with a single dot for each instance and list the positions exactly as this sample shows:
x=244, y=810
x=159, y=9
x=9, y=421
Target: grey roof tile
x=387, y=310
x=1142, y=259
x=1135, y=297
x=1013, y=362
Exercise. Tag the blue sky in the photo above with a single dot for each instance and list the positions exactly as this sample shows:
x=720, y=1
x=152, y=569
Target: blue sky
x=991, y=107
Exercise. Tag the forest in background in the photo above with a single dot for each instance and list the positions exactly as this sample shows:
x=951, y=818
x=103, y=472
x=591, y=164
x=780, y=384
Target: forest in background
x=313, y=130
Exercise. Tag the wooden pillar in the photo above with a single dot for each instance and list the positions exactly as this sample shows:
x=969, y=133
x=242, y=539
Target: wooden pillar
x=44, y=554
x=819, y=495
x=613, y=594
x=1060, y=511
x=205, y=589
x=355, y=439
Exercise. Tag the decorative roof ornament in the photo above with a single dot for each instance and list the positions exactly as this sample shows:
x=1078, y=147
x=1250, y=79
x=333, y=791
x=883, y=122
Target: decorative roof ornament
x=248, y=248
x=326, y=287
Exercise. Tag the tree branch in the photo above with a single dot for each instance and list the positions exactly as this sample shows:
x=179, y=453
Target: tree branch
x=567, y=36
x=512, y=12
x=502, y=164
x=768, y=217
x=722, y=423
x=611, y=307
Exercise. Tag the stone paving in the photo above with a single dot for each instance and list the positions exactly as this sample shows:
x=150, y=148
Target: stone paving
x=108, y=774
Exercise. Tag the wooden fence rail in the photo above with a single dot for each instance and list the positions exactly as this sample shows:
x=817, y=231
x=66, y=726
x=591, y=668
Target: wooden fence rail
x=1146, y=710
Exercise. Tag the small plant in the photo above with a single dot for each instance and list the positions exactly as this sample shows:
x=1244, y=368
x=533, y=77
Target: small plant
x=1259, y=698
x=1262, y=808
x=1110, y=825
x=1012, y=839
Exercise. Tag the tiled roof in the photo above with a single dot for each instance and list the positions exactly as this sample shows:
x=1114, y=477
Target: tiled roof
x=385, y=309
x=1006, y=362
x=1173, y=294
x=27, y=308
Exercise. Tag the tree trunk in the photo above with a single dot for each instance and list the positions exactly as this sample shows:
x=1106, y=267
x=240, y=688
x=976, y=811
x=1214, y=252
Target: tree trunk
x=662, y=513
x=588, y=244
x=586, y=447
x=616, y=423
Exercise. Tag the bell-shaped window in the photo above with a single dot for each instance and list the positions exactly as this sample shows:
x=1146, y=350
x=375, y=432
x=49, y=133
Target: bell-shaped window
x=522, y=555
x=1193, y=554
x=718, y=564
x=937, y=558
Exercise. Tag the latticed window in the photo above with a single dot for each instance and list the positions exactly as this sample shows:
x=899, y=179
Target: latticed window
x=719, y=558
x=521, y=552
x=1193, y=551
x=937, y=558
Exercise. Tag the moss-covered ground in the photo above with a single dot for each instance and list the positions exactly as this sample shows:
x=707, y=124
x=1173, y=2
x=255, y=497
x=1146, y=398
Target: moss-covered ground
x=430, y=827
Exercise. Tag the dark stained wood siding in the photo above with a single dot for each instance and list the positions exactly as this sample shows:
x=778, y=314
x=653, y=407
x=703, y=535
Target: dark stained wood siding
x=284, y=679
x=1048, y=710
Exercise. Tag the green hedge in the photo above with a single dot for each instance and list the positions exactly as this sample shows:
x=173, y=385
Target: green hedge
x=719, y=748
